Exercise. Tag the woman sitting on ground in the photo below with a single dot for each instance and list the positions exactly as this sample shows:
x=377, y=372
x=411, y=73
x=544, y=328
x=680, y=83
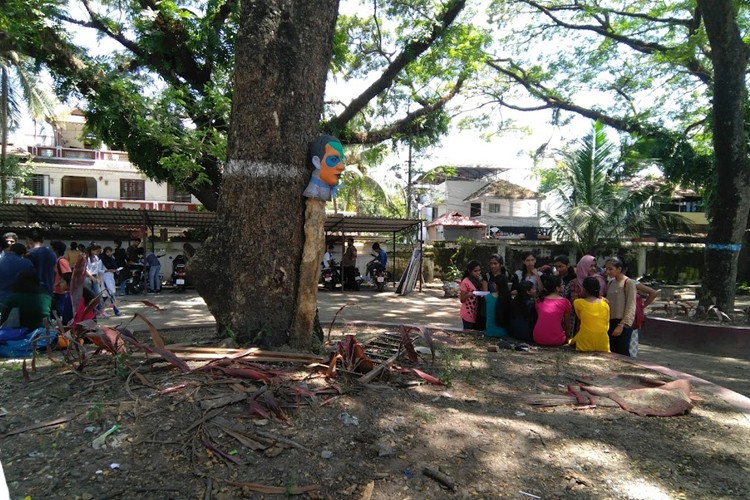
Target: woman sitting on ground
x=593, y=319
x=497, y=267
x=553, y=313
x=32, y=300
x=523, y=313
x=498, y=308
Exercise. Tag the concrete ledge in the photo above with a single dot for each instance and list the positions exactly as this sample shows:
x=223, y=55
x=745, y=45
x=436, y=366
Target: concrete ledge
x=720, y=340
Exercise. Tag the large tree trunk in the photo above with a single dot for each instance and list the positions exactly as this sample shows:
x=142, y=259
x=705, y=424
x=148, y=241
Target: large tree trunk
x=729, y=211
x=248, y=270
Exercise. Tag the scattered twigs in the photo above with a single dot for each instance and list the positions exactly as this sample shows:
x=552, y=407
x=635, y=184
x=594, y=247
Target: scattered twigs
x=441, y=478
x=40, y=425
x=271, y=490
x=284, y=440
x=334, y=321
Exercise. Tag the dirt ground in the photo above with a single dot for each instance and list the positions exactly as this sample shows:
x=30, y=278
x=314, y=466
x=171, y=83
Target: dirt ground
x=216, y=434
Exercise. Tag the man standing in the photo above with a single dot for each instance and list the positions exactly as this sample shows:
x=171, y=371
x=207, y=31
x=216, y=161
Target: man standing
x=131, y=254
x=72, y=255
x=11, y=265
x=44, y=260
x=349, y=263
x=154, y=272
x=8, y=240
x=121, y=259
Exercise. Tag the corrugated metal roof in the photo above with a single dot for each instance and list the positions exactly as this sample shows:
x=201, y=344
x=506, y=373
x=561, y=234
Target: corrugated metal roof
x=48, y=216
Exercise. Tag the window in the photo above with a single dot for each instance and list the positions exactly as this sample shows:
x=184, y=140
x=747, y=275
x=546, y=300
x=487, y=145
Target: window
x=495, y=208
x=174, y=194
x=38, y=184
x=132, y=189
x=78, y=187
x=475, y=210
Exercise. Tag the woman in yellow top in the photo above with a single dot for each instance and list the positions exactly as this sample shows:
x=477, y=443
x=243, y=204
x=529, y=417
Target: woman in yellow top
x=593, y=319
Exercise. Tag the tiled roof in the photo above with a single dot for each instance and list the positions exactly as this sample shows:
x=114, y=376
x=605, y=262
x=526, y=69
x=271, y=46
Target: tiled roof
x=455, y=219
x=503, y=189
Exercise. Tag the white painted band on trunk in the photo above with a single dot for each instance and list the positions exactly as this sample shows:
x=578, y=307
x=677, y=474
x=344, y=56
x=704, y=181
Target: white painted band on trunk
x=262, y=169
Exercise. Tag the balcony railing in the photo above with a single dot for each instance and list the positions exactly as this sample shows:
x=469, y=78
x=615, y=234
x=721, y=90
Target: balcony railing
x=77, y=153
x=167, y=206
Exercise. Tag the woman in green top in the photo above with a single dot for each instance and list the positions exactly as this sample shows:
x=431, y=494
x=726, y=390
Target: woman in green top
x=498, y=308
x=33, y=301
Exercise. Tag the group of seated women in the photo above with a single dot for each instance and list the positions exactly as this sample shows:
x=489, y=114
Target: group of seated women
x=555, y=306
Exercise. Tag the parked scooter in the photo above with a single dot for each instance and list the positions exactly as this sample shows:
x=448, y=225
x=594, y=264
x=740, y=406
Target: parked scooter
x=330, y=276
x=179, y=274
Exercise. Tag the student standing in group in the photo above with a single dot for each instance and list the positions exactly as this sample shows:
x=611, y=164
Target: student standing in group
x=593, y=319
x=31, y=299
x=44, y=260
x=11, y=265
x=527, y=272
x=72, y=255
x=62, y=303
x=154, y=272
x=471, y=282
x=621, y=296
x=121, y=259
x=349, y=264
x=553, y=313
x=108, y=279
x=94, y=269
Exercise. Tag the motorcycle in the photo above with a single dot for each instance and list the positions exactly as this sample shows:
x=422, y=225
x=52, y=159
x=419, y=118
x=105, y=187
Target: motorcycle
x=330, y=276
x=137, y=280
x=378, y=274
x=179, y=274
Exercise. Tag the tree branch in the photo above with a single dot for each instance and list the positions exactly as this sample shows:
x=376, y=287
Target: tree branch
x=693, y=65
x=552, y=101
x=404, y=125
x=410, y=53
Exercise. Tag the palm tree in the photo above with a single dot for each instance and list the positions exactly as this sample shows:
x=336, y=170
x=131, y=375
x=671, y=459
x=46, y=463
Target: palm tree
x=360, y=193
x=19, y=80
x=595, y=207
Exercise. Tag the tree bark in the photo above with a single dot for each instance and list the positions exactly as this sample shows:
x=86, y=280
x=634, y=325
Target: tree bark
x=248, y=270
x=729, y=212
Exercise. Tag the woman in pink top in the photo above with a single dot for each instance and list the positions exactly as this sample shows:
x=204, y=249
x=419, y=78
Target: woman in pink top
x=553, y=313
x=472, y=282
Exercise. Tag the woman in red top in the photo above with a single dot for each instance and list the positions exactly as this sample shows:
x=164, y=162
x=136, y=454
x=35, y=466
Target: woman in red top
x=63, y=305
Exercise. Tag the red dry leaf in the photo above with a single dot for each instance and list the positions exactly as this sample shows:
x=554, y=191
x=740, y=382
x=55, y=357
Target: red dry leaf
x=152, y=305
x=245, y=373
x=108, y=339
x=355, y=359
x=172, y=389
x=407, y=343
x=274, y=406
x=429, y=378
x=155, y=335
x=257, y=409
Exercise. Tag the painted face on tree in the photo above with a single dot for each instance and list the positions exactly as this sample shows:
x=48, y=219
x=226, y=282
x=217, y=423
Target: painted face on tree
x=332, y=163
